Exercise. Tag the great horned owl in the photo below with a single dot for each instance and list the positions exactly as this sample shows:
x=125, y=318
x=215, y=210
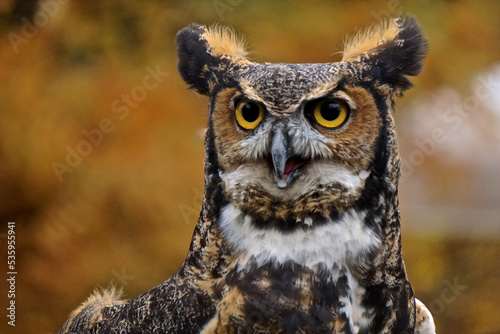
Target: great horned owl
x=299, y=230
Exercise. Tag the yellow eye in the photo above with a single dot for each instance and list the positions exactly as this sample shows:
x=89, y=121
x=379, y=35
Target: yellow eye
x=249, y=114
x=331, y=113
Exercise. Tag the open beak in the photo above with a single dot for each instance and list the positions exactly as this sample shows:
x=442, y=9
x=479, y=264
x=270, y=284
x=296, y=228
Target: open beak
x=284, y=161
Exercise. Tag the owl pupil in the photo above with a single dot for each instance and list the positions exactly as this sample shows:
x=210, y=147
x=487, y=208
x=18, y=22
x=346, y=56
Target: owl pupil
x=330, y=111
x=250, y=112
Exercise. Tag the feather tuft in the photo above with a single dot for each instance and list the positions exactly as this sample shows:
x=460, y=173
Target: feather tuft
x=371, y=38
x=223, y=41
x=90, y=311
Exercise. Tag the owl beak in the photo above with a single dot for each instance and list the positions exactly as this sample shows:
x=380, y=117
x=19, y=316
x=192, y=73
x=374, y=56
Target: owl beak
x=281, y=154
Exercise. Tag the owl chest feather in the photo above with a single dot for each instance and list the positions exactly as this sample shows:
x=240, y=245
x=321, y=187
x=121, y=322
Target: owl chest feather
x=300, y=280
x=291, y=298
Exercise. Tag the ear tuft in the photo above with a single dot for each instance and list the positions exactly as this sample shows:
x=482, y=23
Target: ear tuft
x=397, y=48
x=368, y=40
x=202, y=50
x=224, y=42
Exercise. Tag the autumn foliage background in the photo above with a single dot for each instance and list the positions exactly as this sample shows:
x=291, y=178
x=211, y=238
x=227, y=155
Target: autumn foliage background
x=124, y=212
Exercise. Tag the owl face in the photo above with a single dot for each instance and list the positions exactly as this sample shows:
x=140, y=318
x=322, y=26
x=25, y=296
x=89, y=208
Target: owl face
x=289, y=139
x=297, y=141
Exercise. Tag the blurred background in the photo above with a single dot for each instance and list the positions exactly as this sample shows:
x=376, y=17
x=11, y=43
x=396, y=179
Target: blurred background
x=101, y=150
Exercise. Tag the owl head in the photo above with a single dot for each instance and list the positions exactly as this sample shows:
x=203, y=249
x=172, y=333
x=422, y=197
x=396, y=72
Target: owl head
x=288, y=143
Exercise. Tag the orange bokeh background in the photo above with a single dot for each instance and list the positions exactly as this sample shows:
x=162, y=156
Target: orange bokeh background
x=123, y=211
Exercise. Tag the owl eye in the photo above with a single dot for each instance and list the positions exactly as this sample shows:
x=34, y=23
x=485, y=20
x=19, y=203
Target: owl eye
x=330, y=113
x=249, y=114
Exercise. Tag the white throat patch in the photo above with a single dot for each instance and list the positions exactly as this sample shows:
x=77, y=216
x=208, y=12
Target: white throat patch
x=342, y=241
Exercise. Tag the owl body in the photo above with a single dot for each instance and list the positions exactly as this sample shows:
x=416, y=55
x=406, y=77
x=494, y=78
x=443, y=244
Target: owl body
x=299, y=230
